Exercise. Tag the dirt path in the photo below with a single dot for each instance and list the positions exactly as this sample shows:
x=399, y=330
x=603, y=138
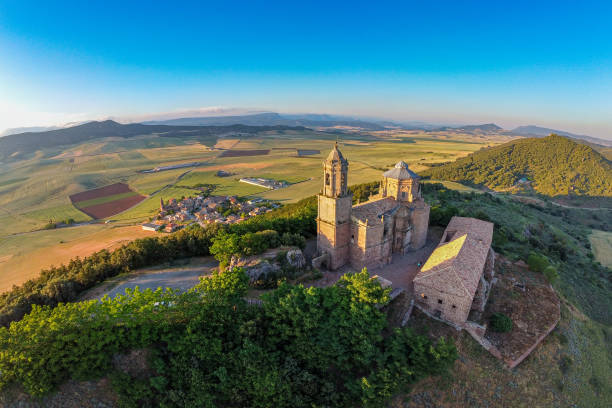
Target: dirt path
x=182, y=278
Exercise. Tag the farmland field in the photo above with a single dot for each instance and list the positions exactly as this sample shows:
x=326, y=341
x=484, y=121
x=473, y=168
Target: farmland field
x=602, y=246
x=23, y=256
x=106, y=201
x=302, y=152
x=244, y=153
x=105, y=191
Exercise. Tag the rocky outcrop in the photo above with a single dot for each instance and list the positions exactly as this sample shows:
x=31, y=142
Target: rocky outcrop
x=296, y=259
x=255, y=268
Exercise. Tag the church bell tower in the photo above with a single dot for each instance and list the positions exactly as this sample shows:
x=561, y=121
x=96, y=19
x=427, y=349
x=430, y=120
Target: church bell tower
x=334, y=211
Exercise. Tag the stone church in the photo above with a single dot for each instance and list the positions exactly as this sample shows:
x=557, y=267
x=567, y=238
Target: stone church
x=368, y=234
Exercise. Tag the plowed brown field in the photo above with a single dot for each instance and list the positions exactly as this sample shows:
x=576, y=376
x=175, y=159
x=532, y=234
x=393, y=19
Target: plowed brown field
x=111, y=208
x=105, y=191
x=243, y=153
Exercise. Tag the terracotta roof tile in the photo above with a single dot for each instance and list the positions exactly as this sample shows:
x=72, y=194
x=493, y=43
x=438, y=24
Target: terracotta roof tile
x=373, y=210
x=464, y=253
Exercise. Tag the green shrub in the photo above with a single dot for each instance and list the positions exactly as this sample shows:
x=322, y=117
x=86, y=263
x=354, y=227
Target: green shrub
x=551, y=274
x=537, y=262
x=500, y=323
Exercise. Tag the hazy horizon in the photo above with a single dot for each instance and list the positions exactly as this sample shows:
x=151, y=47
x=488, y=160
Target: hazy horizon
x=546, y=64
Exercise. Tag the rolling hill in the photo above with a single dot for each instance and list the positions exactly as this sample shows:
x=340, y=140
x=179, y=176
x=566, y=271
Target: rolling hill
x=31, y=141
x=553, y=165
x=536, y=131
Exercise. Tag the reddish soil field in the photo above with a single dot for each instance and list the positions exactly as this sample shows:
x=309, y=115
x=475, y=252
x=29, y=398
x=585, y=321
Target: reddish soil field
x=242, y=153
x=105, y=191
x=111, y=208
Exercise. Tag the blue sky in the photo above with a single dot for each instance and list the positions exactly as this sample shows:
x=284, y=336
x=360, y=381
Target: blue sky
x=512, y=63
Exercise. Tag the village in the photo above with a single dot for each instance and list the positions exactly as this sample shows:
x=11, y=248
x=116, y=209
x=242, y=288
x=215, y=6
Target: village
x=176, y=214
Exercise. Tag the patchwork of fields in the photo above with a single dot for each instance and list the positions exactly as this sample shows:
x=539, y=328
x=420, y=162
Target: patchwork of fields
x=106, y=201
x=103, y=179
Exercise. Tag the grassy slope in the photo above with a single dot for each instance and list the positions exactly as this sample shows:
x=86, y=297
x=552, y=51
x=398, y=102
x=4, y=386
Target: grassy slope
x=561, y=234
x=572, y=366
x=555, y=165
x=601, y=242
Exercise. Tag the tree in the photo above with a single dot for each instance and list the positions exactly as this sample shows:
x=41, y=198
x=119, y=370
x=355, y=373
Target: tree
x=537, y=262
x=224, y=245
x=500, y=323
x=232, y=285
x=551, y=274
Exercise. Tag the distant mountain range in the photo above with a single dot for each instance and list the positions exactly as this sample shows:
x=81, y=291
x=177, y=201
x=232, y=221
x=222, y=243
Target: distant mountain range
x=31, y=141
x=486, y=128
x=36, y=137
x=552, y=165
x=536, y=131
x=14, y=131
x=271, y=119
x=372, y=124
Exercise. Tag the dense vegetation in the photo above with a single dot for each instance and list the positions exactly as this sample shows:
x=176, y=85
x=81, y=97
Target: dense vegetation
x=303, y=347
x=553, y=165
x=66, y=282
x=362, y=192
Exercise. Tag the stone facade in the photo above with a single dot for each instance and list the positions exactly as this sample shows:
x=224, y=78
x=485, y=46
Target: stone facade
x=368, y=234
x=457, y=276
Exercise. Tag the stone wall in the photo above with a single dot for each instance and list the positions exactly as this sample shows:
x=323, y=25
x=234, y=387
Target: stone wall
x=517, y=361
x=419, y=219
x=334, y=229
x=486, y=282
x=370, y=247
x=454, y=308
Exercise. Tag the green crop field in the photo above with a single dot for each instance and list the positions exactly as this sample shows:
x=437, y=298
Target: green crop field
x=601, y=241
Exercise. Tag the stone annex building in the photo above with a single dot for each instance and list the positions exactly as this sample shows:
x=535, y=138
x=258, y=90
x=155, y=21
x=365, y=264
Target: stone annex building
x=367, y=234
x=457, y=277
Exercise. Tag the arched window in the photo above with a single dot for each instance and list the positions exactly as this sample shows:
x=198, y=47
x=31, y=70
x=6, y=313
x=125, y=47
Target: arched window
x=327, y=179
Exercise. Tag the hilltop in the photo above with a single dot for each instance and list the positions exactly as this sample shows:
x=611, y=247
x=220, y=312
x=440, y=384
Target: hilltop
x=554, y=166
x=31, y=141
x=537, y=131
